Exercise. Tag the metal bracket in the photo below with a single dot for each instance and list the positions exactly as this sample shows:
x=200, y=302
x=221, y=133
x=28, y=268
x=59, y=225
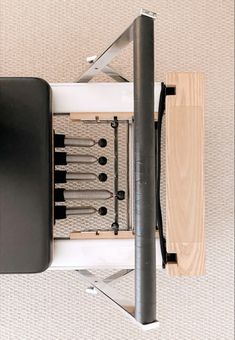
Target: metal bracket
x=170, y=90
x=109, y=71
x=101, y=63
x=102, y=286
x=148, y=13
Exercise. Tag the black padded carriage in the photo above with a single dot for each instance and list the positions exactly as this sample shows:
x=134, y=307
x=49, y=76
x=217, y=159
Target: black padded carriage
x=25, y=175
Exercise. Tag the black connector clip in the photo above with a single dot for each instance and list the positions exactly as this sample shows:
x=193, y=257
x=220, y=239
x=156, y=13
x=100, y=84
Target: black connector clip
x=120, y=195
x=115, y=227
x=60, y=212
x=59, y=140
x=170, y=90
x=171, y=258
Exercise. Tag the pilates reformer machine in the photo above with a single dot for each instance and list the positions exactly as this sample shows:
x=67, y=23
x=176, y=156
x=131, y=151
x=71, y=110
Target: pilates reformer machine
x=35, y=169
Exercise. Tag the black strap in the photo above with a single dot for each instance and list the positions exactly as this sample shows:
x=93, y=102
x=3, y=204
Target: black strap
x=166, y=257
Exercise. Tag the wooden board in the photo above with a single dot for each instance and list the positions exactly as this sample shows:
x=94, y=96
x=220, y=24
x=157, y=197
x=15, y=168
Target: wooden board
x=184, y=174
x=103, y=115
x=103, y=235
x=100, y=115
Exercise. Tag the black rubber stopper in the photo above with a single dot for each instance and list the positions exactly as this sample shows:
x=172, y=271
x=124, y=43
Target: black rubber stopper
x=102, y=142
x=59, y=195
x=59, y=141
x=60, y=158
x=102, y=177
x=102, y=160
x=102, y=211
x=60, y=212
x=114, y=124
x=115, y=227
x=60, y=176
x=120, y=195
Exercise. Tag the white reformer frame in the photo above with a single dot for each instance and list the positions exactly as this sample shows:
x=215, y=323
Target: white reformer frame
x=108, y=97
x=87, y=254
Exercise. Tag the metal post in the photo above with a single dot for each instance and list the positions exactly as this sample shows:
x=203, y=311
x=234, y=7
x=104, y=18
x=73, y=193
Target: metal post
x=144, y=171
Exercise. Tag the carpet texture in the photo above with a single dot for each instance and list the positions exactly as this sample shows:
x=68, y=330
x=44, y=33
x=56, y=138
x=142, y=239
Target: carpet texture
x=51, y=39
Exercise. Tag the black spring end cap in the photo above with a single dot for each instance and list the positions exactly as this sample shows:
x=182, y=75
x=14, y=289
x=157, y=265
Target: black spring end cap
x=102, y=142
x=102, y=211
x=102, y=177
x=120, y=195
x=115, y=227
x=102, y=160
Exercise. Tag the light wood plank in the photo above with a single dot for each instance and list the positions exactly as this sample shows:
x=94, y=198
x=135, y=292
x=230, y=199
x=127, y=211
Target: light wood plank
x=102, y=235
x=102, y=115
x=184, y=174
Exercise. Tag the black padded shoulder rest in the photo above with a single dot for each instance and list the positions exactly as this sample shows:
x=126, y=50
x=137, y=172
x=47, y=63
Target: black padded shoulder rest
x=25, y=175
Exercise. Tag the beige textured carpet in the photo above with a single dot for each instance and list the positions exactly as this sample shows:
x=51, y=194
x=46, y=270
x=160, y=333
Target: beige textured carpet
x=51, y=39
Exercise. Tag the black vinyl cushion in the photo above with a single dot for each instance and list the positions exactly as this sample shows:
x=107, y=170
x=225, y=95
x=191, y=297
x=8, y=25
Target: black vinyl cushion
x=25, y=175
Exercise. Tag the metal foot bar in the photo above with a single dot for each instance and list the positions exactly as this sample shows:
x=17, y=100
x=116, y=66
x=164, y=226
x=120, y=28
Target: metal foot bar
x=144, y=171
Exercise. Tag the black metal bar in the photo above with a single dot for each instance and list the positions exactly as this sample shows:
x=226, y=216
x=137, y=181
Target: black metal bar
x=114, y=125
x=144, y=171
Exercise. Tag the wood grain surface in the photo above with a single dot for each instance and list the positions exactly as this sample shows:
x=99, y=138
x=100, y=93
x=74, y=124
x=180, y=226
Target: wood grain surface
x=104, y=235
x=184, y=174
x=103, y=115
